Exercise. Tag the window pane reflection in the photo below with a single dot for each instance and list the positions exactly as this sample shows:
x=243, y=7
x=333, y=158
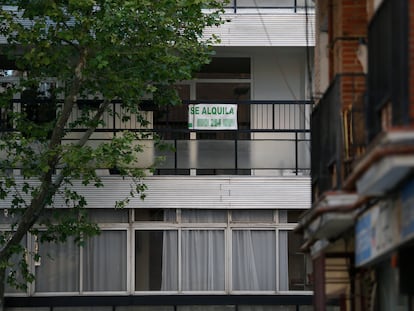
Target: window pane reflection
x=156, y=260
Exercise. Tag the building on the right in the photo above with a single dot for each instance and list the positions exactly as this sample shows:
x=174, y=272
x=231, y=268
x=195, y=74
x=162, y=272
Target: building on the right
x=360, y=229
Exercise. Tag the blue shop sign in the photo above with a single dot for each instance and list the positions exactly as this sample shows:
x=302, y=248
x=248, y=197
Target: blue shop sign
x=363, y=236
x=407, y=211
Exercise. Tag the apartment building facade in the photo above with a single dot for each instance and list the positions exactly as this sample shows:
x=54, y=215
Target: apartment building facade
x=215, y=230
x=359, y=230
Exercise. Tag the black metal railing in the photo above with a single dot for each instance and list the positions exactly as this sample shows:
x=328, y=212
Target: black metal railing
x=355, y=136
x=287, y=156
x=388, y=67
x=271, y=135
x=338, y=132
x=238, y=6
x=326, y=138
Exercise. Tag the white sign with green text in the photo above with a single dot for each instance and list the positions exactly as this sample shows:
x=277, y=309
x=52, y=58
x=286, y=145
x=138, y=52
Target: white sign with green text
x=212, y=117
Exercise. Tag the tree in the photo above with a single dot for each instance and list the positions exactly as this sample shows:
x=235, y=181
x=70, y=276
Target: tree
x=66, y=50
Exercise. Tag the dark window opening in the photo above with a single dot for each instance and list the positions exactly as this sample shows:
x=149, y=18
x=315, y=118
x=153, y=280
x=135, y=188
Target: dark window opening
x=39, y=109
x=155, y=214
x=171, y=122
x=226, y=68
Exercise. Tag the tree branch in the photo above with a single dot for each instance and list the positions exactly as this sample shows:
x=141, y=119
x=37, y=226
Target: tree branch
x=47, y=188
x=84, y=139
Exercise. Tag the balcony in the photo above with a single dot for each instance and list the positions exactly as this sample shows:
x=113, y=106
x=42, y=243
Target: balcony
x=387, y=83
x=266, y=6
x=272, y=138
x=386, y=164
x=264, y=23
x=389, y=153
x=338, y=132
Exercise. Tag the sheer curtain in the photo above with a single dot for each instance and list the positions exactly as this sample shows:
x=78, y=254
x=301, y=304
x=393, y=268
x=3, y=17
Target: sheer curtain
x=202, y=254
x=254, y=260
x=58, y=267
x=169, y=273
x=105, y=262
x=203, y=264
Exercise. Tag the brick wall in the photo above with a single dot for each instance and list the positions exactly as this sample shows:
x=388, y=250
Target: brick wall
x=349, y=24
x=349, y=27
x=321, y=49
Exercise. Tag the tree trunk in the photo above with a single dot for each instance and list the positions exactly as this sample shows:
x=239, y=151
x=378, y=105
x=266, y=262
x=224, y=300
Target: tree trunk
x=47, y=188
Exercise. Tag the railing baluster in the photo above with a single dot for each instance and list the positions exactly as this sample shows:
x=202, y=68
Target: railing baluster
x=296, y=154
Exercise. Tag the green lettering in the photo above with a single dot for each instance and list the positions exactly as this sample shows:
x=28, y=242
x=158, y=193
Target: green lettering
x=228, y=122
x=194, y=110
x=202, y=122
x=215, y=122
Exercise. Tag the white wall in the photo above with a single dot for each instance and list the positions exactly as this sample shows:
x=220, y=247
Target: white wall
x=278, y=73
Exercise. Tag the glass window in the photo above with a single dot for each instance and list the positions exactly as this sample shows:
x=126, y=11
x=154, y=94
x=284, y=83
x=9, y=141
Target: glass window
x=203, y=216
x=156, y=214
x=105, y=262
x=156, y=260
x=170, y=121
x=223, y=91
x=108, y=215
x=39, y=105
x=58, y=267
x=203, y=264
x=290, y=216
x=226, y=68
x=55, y=215
x=298, y=274
x=15, y=259
x=9, y=217
x=254, y=260
x=252, y=216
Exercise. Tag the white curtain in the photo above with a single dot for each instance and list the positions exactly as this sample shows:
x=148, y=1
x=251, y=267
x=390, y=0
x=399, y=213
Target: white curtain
x=169, y=274
x=204, y=216
x=58, y=267
x=203, y=261
x=283, y=261
x=105, y=262
x=202, y=251
x=202, y=255
x=254, y=260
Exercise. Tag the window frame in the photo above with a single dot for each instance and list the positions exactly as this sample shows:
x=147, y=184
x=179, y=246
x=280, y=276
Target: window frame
x=132, y=226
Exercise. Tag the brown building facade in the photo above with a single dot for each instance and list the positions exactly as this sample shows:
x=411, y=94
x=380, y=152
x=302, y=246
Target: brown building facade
x=360, y=229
